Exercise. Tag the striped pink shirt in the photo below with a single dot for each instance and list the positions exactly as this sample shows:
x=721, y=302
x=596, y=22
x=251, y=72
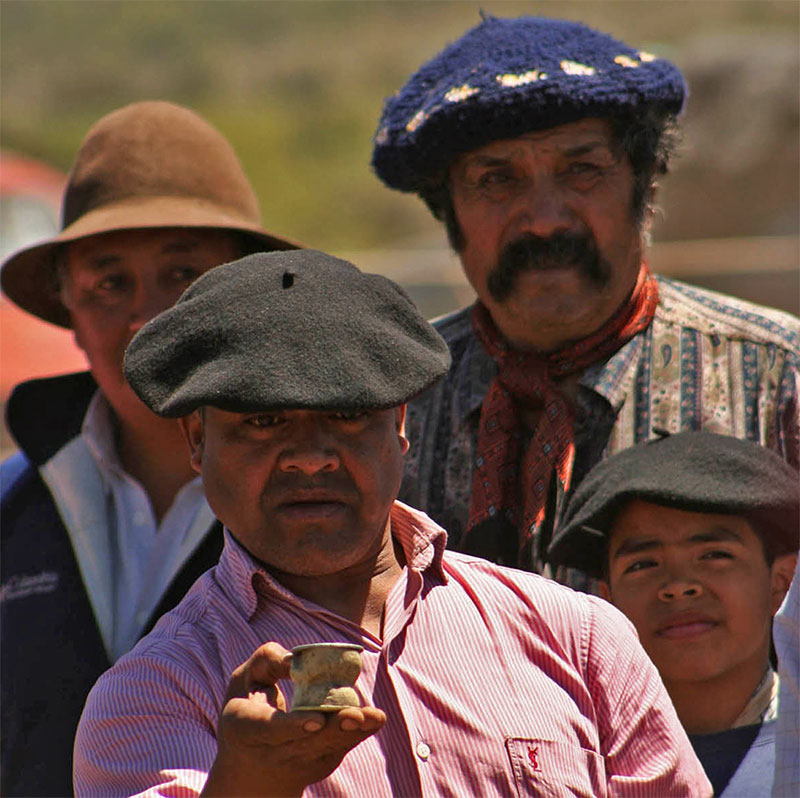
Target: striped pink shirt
x=494, y=682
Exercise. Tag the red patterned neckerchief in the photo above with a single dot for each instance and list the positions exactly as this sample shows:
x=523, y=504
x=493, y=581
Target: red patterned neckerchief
x=527, y=378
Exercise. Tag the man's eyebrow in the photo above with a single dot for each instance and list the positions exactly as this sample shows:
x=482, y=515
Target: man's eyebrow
x=715, y=535
x=185, y=245
x=636, y=545
x=482, y=159
x=99, y=262
x=585, y=149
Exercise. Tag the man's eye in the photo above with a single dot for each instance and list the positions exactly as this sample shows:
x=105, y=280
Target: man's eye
x=185, y=274
x=717, y=554
x=263, y=420
x=111, y=283
x=639, y=565
x=495, y=178
x=351, y=415
x=583, y=168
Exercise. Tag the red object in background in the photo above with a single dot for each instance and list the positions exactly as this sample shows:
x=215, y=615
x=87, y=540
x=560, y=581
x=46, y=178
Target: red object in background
x=30, y=200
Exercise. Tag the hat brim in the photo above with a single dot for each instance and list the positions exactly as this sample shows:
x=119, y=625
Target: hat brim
x=27, y=276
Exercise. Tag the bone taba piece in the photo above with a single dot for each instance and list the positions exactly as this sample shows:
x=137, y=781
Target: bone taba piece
x=324, y=675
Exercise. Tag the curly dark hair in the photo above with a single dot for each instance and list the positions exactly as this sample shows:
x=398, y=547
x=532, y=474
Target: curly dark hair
x=648, y=139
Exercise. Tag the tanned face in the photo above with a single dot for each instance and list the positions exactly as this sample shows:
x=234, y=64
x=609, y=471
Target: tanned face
x=115, y=282
x=551, y=243
x=307, y=492
x=698, y=588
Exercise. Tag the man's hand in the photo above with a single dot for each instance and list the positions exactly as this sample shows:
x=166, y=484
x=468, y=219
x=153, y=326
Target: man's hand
x=264, y=750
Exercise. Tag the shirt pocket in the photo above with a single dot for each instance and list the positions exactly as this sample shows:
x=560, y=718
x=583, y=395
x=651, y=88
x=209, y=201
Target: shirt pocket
x=555, y=769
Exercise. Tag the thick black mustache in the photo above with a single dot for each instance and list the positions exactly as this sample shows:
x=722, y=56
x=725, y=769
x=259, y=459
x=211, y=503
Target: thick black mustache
x=531, y=252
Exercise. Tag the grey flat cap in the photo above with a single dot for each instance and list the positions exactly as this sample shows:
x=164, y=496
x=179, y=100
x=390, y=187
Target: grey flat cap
x=695, y=471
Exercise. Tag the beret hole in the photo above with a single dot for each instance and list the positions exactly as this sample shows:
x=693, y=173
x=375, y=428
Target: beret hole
x=288, y=279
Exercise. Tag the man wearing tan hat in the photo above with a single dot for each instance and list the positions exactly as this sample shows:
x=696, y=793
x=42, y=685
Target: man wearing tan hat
x=104, y=523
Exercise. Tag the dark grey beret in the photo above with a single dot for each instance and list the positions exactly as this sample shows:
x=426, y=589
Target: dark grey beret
x=281, y=330
x=696, y=471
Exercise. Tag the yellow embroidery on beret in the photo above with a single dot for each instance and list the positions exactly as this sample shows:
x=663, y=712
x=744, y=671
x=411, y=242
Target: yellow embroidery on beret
x=459, y=93
x=646, y=57
x=521, y=80
x=626, y=61
x=416, y=121
x=574, y=68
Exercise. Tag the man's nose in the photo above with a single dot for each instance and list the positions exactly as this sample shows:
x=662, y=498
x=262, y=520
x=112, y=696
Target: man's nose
x=310, y=454
x=148, y=302
x=679, y=588
x=543, y=210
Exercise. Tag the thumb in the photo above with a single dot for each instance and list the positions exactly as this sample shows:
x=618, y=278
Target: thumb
x=260, y=674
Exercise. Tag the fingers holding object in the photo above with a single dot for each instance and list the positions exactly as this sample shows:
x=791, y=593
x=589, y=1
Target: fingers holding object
x=258, y=676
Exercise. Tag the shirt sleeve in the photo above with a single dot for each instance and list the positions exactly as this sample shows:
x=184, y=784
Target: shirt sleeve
x=143, y=712
x=786, y=631
x=789, y=413
x=646, y=750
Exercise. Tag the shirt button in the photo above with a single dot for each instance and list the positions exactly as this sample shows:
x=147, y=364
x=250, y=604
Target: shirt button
x=423, y=751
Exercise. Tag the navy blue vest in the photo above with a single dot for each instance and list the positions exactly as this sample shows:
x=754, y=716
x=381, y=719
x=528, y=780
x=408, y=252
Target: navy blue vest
x=51, y=650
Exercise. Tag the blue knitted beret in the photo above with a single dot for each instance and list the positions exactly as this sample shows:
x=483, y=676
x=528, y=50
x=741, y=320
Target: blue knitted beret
x=505, y=77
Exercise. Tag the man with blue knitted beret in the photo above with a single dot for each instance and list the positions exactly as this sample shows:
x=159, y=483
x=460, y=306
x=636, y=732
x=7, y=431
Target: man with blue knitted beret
x=539, y=143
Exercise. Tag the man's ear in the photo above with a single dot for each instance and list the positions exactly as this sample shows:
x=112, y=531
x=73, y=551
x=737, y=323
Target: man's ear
x=781, y=574
x=194, y=432
x=649, y=213
x=400, y=421
x=604, y=590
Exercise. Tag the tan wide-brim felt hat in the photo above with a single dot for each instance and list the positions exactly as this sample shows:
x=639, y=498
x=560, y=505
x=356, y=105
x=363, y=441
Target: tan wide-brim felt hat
x=148, y=165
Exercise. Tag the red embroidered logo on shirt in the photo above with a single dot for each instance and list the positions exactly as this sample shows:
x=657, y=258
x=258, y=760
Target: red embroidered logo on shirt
x=532, y=754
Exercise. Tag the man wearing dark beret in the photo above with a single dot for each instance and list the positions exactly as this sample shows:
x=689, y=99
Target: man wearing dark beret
x=290, y=373
x=539, y=142
x=695, y=538
x=104, y=525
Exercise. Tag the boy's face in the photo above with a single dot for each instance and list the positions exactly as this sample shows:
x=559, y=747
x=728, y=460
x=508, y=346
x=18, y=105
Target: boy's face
x=698, y=589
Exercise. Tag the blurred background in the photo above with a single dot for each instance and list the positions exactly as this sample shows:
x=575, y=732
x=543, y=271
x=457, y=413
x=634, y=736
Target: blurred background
x=297, y=87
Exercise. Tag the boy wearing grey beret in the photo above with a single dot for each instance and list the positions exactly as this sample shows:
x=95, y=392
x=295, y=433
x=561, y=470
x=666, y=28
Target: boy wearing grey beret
x=289, y=373
x=695, y=539
x=539, y=143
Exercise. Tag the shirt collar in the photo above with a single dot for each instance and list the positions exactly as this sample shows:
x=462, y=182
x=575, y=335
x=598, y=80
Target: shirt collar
x=762, y=705
x=99, y=434
x=238, y=572
x=611, y=379
x=473, y=374
x=423, y=541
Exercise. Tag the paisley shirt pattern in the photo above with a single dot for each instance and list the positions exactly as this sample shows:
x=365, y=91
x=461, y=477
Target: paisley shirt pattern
x=707, y=361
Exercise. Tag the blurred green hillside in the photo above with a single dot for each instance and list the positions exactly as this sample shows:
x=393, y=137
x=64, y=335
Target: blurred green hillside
x=298, y=86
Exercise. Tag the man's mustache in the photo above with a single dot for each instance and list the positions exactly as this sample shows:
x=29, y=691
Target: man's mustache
x=531, y=253
x=287, y=487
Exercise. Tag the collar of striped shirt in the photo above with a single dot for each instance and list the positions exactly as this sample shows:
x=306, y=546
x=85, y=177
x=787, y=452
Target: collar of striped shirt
x=242, y=577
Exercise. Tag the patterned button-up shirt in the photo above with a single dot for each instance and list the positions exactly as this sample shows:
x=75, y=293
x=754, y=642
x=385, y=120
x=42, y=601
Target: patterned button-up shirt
x=495, y=682
x=707, y=361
